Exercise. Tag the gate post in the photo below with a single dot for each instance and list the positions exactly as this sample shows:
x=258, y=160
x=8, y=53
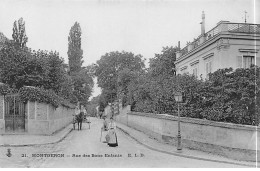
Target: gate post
x=2, y=119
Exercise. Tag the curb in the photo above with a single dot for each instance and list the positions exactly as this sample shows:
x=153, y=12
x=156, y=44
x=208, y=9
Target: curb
x=182, y=155
x=27, y=145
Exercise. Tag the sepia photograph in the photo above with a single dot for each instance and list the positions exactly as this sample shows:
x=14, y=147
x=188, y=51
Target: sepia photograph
x=129, y=84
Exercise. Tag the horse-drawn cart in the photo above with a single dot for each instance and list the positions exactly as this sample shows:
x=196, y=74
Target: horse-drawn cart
x=78, y=119
x=87, y=120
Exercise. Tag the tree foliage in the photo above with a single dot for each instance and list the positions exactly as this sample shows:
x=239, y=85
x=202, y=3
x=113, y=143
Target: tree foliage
x=91, y=107
x=108, y=69
x=82, y=77
x=43, y=96
x=144, y=91
x=162, y=65
x=83, y=84
x=228, y=96
x=74, y=49
x=14, y=65
x=21, y=67
x=19, y=33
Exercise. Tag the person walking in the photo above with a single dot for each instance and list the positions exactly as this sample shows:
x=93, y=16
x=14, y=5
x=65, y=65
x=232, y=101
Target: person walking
x=104, y=128
x=111, y=136
x=76, y=113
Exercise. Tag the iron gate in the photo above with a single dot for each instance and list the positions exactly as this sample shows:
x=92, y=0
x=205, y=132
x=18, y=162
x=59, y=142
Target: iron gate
x=14, y=114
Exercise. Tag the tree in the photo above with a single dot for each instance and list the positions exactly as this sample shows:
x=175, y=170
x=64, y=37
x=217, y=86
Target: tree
x=162, y=65
x=56, y=74
x=14, y=61
x=82, y=77
x=91, y=107
x=127, y=78
x=23, y=67
x=74, y=50
x=109, y=67
x=153, y=91
x=83, y=84
x=19, y=34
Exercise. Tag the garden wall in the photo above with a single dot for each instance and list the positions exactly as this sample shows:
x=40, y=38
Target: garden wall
x=2, y=123
x=230, y=140
x=45, y=119
x=41, y=118
x=123, y=114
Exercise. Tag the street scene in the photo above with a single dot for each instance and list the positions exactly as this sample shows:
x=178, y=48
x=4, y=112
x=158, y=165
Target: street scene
x=129, y=84
x=84, y=149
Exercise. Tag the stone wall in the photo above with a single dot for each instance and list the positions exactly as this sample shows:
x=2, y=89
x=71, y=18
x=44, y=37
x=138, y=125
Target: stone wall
x=123, y=114
x=230, y=140
x=45, y=119
x=41, y=118
x=2, y=123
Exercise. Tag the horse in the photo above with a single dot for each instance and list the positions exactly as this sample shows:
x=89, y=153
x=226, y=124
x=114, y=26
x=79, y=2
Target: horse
x=78, y=119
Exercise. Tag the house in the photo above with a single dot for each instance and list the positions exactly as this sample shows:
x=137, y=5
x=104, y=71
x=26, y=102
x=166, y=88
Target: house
x=226, y=45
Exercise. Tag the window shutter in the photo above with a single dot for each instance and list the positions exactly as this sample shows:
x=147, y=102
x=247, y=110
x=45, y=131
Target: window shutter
x=239, y=61
x=210, y=66
x=257, y=61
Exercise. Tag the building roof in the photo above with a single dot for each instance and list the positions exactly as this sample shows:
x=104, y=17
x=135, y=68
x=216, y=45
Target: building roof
x=221, y=27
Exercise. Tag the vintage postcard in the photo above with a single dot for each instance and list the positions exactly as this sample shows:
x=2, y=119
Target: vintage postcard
x=129, y=83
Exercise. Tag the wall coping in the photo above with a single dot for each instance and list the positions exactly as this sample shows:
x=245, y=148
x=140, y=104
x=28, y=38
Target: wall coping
x=51, y=105
x=197, y=121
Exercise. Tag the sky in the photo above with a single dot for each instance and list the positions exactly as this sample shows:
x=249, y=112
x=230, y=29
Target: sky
x=138, y=26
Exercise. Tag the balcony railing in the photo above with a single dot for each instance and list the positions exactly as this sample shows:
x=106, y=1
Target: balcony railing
x=221, y=27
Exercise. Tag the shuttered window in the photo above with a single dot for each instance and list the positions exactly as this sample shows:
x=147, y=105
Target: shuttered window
x=258, y=61
x=208, y=68
x=248, y=61
x=195, y=72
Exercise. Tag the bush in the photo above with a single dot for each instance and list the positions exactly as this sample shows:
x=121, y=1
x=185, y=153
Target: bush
x=228, y=96
x=4, y=89
x=43, y=96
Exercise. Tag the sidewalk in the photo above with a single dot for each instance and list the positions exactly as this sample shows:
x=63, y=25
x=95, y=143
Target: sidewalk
x=153, y=144
x=14, y=140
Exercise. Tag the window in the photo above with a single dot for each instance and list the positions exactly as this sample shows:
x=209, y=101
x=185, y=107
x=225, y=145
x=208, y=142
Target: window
x=208, y=68
x=184, y=70
x=195, y=72
x=208, y=61
x=248, y=61
x=195, y=66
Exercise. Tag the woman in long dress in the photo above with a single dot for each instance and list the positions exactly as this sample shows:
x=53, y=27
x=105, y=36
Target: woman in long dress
x=104, y=129
x=111, y=136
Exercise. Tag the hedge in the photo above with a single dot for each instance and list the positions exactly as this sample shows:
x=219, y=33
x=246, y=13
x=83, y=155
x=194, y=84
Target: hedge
x=36, y=94
x=43, y=96
x=228, y=96
x=4, y=89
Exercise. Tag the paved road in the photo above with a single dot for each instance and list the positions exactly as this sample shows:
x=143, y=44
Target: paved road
x=84, y=149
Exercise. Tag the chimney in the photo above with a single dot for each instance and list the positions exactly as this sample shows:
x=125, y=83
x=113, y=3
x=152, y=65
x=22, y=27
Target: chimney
x=203, y=24
x=178, y=52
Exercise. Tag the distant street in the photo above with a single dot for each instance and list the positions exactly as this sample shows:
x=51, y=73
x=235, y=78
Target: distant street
x=84, y=149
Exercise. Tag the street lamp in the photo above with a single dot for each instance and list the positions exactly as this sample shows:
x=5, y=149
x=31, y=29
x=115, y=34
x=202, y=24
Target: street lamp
x=178, y=99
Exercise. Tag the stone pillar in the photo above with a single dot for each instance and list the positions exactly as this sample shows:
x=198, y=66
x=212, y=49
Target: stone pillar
x=2, y=120
x=1, y=107
x=190, y=47
x=178, y=54
x=224, y=27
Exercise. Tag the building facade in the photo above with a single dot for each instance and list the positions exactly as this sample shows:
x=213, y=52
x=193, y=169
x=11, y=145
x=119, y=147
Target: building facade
x=227, y=45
